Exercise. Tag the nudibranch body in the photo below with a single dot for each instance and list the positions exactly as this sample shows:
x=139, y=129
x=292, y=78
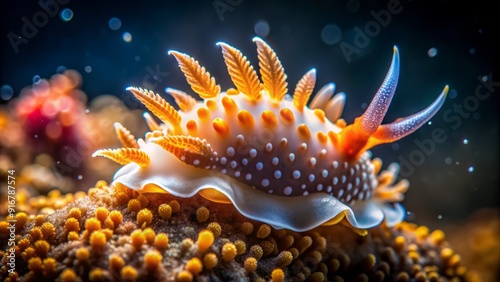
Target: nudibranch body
x=276, y=159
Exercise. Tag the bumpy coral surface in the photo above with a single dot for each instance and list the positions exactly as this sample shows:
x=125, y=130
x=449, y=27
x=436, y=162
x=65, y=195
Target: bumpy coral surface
x=116, y=234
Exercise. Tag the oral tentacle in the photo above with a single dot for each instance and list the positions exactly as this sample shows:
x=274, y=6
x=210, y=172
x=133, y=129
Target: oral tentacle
x=405, y=126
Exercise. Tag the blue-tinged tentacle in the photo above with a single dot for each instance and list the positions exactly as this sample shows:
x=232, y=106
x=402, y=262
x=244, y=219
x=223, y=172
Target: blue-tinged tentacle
x=379, y=105
x=405, y=126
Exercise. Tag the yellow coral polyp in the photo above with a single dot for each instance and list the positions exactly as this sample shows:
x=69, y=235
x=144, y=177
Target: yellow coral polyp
x=149, y=234
x=215, y=228
x=137, y=238
x=277, y=275
x=194, y=266
x=101, y=213
x=75, y=213
x=264, y=231
x=92, y=224
x=68, y=275
x=165, y=211
x=210, y=261
x=205, y=240
x=72, y=224
x=116, y=217
x=228, y=252
x=246, y=228
x=42, y=248
x=72, y=235
x=241, y=247
x=97, y=240
x=97, y=274
x=152, y=259
x=116, y=262
x=161, y=241
x=202, y=214
x=134, y=205
x=48, y=230
x=174, y=204
x=144, y=217
x=82, y=255
x=184, y=276
x=128, y=273
x=250, y=264
x=35, y=264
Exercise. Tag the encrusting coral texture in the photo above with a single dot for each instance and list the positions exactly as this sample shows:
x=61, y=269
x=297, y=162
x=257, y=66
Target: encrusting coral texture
x=117, y=234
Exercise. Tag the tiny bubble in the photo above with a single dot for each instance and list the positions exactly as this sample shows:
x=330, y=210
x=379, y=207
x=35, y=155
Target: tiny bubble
x=429, y=123
x=66, y=15
x=440, y=216
x=471, y=169
x=127, y=37
x=453, y=93
x=36, y=79
x=262, y=28
x=87, y=111
x=364, y=105
x=465, y=141
x=432, y=52
x=88, y=69
x=36, y=135
x=6, y=92
x=484, y=78
x=457, y=162
x=472, y=51
x=60, y=69
x=331, y=34
x=115, y=23
x=448, y=160
x=137, y=58
x=80, y=177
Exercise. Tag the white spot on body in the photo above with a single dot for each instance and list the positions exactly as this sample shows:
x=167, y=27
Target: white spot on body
x=312, y=161
x=275, y=161
x=233, y=164
x=265, y=182
x=335, y=180
x=237, y=173
x=291, y=157
x=349, y=187
x=248, y=176
x=223, y=160
x=335, y=164
x=284, y=142
x=344, y=178
x=196, y=162
x=240, y=138
x=253, y=153
x=230, y=151
x=269, y=147
x=320, y=187
x=296, y=174
x=244, y=161
x=323, y=152
x=324, y=173
x=288, y=190
x=303, y=146
x=311, y=177
x=259, y=166
x=277, y=174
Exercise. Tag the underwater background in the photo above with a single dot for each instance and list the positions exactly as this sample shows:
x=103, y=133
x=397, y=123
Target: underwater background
x=452, y=163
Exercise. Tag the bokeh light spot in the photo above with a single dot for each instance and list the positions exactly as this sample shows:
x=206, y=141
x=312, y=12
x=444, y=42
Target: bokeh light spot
x=88, y=69
x=453, y=93
x=331, y=34
x=115, y=23
x=470, y=169
x=6, y=92
x=262, y=28
x=66, y=15
x=37, y=79
x=61, y=69
x=432, y=52
x=127, y=37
